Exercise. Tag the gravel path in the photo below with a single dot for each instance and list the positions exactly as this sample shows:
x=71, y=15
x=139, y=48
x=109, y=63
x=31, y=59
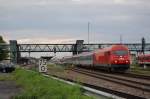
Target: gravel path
x=8, y=88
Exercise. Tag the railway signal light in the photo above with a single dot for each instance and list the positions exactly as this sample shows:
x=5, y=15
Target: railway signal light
x=143, y=45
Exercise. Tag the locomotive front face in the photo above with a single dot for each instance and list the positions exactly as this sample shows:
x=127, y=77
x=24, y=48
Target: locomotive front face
x=120, y=57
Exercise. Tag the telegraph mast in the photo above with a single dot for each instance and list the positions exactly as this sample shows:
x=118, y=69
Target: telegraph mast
x=120, y=39
x=88, y=31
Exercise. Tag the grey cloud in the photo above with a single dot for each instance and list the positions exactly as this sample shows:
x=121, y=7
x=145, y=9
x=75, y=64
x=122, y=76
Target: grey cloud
x=64, y=17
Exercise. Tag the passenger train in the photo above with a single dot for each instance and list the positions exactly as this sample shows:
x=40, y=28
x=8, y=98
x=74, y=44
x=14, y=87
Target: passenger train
x=114, y=58
x=144, y=59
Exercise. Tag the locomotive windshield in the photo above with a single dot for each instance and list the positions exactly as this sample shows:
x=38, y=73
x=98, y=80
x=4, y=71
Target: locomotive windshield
x=120, y=52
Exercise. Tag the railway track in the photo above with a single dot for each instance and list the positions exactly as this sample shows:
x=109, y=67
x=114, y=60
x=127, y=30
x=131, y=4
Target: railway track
x=134, y=82
x=129, y=74
x=121, y=94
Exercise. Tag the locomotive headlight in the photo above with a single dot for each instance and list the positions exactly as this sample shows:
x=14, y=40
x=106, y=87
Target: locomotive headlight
x=127, y=61
x=116, y=61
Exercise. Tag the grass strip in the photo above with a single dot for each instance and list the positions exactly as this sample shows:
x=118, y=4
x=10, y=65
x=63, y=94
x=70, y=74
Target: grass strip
x=140, y=70
x=39, y=87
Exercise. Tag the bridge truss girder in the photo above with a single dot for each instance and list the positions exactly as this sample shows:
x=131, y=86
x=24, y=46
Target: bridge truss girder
x=137, y=47
x=15, y=49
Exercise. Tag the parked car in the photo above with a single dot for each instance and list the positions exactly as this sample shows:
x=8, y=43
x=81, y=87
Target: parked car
x=7, y=67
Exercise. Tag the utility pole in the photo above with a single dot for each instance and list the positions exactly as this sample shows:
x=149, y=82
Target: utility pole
x=120, y=39
x=88, y=31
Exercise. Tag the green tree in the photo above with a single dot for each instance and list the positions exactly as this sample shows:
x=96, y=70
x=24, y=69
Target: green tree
x=3, y=49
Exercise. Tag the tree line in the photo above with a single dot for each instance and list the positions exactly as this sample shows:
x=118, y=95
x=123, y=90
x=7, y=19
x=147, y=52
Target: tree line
x=3, y=50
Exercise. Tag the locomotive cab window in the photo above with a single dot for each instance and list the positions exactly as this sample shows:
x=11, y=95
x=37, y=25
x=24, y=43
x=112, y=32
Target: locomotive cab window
x=107, y=53
x=120, y=52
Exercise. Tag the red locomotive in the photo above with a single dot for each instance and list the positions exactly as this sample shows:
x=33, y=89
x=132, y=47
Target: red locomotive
x=144, y=59
x=114, y=58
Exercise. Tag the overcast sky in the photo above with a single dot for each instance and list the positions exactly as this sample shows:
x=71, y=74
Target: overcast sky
x=64, y=21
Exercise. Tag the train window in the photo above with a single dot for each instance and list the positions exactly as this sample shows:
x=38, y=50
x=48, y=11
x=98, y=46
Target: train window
x=146, y=58
x=120, y=52
x=88, y=57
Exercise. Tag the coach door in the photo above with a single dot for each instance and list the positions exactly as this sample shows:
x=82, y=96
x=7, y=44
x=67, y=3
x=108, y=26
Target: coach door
x=107, y=57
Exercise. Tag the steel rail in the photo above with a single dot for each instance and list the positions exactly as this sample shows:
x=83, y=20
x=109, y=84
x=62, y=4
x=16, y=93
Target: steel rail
x=135, y=85
x=120, y=77
x=121, y=94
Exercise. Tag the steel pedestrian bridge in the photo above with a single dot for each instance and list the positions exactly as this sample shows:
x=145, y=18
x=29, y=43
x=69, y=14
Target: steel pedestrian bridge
x=15, y=49
x=137, y=47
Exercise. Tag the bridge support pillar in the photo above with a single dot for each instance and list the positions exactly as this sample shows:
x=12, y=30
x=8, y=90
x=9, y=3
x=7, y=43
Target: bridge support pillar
x=78, y=47
x=14, y=51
